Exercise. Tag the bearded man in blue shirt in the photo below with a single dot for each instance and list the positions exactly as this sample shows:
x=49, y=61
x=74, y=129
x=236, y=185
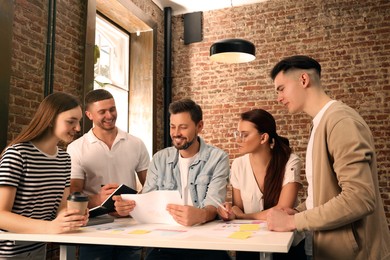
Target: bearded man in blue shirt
x=197, y=170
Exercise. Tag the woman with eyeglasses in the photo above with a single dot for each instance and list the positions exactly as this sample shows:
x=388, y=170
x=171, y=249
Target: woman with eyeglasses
x=267, y=175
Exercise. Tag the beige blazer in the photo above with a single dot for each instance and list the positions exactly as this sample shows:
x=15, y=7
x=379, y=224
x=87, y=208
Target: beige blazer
x=348, y=218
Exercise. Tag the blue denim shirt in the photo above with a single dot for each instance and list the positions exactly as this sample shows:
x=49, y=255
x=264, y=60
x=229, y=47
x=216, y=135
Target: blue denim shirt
x=208, y=174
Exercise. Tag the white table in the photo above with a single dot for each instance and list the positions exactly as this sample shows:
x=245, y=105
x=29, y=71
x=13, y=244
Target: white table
x=213, y=236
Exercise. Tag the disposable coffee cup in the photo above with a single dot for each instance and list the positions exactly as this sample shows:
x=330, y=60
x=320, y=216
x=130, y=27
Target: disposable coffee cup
x=78, y=200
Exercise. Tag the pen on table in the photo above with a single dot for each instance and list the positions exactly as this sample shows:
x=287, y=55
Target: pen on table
x=219, y=204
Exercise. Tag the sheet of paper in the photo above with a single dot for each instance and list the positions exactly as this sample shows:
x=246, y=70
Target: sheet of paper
x=151, y=207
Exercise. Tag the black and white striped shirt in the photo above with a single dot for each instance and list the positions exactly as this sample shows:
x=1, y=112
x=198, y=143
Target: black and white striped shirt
x=40, y=180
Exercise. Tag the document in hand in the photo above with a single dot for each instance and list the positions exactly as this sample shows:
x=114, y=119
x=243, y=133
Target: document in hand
x=108, y=205
x=151, y=207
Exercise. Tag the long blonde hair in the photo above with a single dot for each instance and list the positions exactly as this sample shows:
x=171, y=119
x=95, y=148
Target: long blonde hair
x=43, y=121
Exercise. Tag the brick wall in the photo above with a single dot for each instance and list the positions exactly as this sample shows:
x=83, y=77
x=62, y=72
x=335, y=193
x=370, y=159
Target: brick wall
x=29, y=55
x=27, y=64
x=349, y=38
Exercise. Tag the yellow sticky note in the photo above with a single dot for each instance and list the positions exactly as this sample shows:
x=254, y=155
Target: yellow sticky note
x=240, y=235
x=139, y=232
x=249, y=227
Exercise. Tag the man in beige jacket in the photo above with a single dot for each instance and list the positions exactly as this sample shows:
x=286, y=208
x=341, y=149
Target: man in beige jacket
x=343, y=210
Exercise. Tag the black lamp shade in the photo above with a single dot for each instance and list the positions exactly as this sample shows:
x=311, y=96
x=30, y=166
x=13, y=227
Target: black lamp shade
x=232, y=51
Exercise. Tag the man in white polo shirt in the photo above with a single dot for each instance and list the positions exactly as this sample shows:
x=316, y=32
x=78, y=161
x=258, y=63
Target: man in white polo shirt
x=102, y=159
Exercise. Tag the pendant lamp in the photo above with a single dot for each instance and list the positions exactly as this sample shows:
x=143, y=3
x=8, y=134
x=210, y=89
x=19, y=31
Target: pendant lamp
x=232, y=51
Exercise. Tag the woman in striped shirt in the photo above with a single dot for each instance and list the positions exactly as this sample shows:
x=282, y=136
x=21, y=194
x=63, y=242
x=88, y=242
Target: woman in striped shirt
x=35, y=178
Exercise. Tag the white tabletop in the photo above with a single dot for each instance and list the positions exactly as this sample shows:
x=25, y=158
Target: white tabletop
x=126, y=232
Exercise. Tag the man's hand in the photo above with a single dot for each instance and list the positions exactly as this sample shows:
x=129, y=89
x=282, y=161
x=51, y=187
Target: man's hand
x=123, y=207
x=280, y=219
x=107, y=190
x=187, y=215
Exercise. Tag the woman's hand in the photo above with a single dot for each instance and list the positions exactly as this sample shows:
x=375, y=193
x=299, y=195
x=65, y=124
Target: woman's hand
x=226, y=213
x=67, y=221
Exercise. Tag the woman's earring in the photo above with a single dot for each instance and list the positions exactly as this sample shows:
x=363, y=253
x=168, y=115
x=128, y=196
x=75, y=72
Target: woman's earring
x=272, y=144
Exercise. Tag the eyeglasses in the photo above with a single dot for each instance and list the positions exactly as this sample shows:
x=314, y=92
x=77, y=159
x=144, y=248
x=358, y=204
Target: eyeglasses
x=242, y=135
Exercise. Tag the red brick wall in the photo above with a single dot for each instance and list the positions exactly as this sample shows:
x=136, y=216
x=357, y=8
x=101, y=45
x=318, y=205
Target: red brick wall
x=349, y=38
x=29, y=52
x=27, y=77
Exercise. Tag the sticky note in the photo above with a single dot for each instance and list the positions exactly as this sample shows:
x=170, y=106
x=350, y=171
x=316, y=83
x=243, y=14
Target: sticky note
x=139, y=232
x=240, y=235
x=249, y=227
